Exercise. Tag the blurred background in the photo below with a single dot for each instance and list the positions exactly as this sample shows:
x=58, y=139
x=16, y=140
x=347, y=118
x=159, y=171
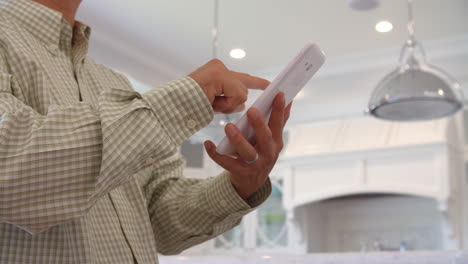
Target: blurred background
x=345, y=181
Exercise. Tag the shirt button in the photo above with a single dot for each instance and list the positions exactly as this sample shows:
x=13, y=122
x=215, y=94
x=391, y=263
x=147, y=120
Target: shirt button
x=223, y=203
x=53, y=47
x=191, y=123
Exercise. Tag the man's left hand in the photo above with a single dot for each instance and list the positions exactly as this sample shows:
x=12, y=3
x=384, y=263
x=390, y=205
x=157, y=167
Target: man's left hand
x=247, y=177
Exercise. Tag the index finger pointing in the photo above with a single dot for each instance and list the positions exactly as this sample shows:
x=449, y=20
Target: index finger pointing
x=250, y=81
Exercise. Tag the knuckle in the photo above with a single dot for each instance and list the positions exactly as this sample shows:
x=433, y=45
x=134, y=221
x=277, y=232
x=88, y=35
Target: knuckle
x=266, y=139
x=254, y=122
x=243, y=97
x=217, y=73
x=212, y=154
x=280, y=147
x=269, y=157
x=216, y=62
x=229, y=107
x=258, y=125
x=268, y=134
x=240, y=107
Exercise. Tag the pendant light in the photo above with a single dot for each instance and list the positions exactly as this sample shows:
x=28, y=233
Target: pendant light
x=415, y=90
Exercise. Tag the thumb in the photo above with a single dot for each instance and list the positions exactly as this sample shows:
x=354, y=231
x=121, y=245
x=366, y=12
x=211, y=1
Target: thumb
x=226, y=162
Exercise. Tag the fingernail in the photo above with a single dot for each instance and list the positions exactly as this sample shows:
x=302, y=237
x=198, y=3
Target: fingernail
x=232, y=131
x=254, y=114
x=208, y=146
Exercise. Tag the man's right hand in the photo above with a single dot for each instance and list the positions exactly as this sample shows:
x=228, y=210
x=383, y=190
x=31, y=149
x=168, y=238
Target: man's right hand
x=226, y=90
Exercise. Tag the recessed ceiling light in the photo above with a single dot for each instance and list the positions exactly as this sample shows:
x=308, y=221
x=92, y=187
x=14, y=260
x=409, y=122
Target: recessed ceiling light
x=383, y=26
x=237, y=53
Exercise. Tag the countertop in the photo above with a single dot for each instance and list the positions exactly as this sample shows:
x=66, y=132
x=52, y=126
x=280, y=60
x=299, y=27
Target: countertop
x=413, y=257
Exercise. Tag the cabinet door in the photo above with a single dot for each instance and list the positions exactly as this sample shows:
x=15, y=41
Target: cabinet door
x=323, y=179
x=232, y=239
x=416, y=172
x=263, y=230
x=271, y=217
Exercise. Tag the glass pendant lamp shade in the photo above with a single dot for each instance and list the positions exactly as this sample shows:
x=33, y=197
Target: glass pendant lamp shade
x=415, y=90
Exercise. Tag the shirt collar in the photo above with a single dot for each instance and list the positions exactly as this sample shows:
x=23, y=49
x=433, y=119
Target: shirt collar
x=83, y=30
x=43, y=23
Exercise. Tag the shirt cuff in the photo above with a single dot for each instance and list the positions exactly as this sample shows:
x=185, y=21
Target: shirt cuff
x=224, y=200
x=181, y=107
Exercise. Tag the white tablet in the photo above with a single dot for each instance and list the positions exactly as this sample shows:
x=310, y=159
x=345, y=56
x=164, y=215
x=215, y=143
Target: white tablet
x=290, y=81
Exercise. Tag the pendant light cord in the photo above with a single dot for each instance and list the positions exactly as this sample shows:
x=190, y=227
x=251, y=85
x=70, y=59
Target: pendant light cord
x=411, y=37
x=215, y=34
x=411, y=45
x=215, y=29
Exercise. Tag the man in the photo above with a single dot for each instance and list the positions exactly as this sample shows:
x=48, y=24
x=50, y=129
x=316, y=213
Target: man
x=89, y=170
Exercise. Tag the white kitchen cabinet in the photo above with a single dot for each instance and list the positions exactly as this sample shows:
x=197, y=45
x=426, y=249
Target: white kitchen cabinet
x=362, y=156
x=358, y=184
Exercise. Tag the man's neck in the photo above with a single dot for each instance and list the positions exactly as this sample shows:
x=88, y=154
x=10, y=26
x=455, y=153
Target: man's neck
x=67, y=7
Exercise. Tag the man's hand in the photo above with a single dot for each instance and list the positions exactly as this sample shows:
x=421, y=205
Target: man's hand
x=226, y=90
x=246, y=177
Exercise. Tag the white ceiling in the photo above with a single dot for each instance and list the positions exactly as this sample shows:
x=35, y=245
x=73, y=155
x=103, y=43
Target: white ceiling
x=177, y=33
x=158, y=40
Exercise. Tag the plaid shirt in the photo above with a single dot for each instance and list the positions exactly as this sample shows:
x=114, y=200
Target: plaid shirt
x=89, y=170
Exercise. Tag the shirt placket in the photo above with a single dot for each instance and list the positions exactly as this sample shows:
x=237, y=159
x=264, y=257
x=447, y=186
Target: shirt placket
x=79, y=53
